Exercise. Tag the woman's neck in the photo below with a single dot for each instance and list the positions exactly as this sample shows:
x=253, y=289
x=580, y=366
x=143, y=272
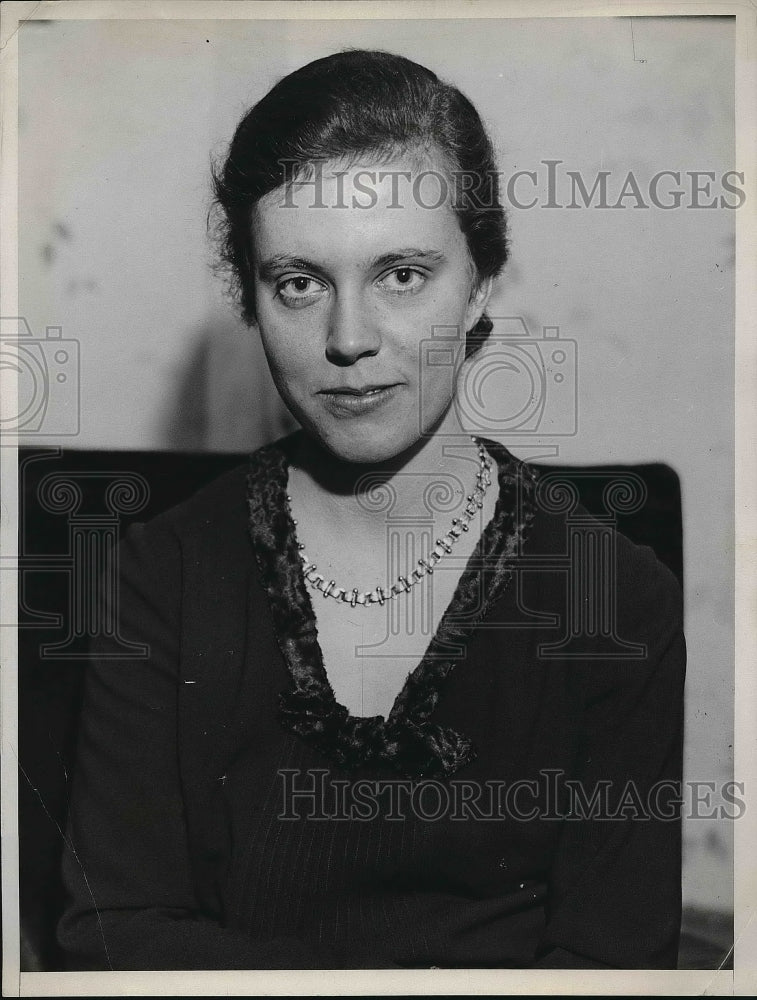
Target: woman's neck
x=435, y=470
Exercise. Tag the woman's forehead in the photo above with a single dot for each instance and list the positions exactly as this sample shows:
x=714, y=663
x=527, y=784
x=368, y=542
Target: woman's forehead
x=414, y=155
x=363, y=206
x=407, y=176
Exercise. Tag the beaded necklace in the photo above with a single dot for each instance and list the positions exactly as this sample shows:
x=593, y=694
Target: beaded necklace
x=403, y=584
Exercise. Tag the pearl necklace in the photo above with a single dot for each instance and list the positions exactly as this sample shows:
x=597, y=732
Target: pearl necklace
x=403, y=584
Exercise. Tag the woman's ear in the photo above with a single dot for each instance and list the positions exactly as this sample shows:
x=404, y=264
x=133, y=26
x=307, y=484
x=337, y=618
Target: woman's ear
x=478, y=301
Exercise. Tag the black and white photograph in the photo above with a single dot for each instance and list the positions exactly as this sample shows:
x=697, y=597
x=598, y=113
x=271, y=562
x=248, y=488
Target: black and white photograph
x=373, y=438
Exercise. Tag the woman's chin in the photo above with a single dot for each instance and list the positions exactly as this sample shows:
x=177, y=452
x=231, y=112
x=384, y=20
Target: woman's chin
x=367, y=445
x=368, y=452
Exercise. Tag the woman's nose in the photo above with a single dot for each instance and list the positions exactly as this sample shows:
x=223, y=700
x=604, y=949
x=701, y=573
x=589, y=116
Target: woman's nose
x=352, y=334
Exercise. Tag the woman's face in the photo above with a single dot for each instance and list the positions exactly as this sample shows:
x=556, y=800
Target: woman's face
x=349, y=289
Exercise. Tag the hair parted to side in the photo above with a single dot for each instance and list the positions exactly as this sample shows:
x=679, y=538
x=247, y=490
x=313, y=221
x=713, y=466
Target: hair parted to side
x=348, y=105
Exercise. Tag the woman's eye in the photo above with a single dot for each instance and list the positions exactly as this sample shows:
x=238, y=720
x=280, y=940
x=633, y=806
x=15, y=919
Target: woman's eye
x=404, y=279
x=299, y=290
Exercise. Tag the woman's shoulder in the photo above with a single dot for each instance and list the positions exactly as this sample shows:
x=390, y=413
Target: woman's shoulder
x=214, y=507
x=567, y=547
x=208, y=529
x=220, y=506
x=617, y=608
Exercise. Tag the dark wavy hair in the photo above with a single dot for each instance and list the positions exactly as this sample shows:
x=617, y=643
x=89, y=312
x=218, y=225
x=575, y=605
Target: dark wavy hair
x=342, y=107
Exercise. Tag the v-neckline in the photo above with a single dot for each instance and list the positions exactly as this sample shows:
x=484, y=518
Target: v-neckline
x=405, y=739
x=437, y=639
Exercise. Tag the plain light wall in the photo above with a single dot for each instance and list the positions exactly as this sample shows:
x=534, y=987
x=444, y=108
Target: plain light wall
x=117, y=123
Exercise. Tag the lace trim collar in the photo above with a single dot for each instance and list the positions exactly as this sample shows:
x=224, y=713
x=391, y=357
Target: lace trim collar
x=406, y=741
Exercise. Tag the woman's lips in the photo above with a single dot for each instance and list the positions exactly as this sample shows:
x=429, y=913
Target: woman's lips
x=356, y=402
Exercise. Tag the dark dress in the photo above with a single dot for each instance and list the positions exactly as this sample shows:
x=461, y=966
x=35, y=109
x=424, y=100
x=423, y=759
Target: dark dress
x=516, y=809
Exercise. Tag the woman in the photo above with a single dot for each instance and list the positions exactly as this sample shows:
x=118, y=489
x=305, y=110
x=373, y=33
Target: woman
x=351, y=744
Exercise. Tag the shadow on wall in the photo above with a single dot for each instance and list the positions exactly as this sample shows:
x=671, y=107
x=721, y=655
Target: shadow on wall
x=223, y=398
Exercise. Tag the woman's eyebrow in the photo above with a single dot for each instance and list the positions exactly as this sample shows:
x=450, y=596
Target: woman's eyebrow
x=267, y=269
x=396, y=256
